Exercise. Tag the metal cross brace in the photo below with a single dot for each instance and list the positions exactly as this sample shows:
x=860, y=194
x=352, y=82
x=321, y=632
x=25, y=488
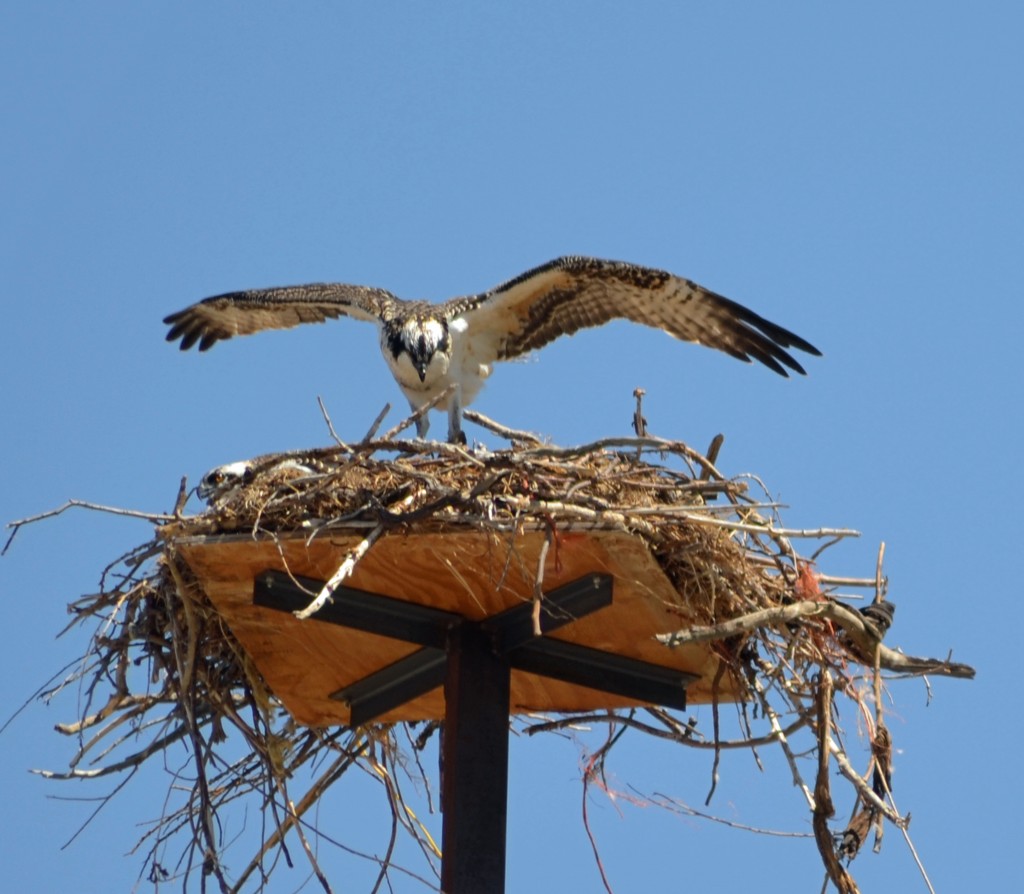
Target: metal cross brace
x=510, y=635
x=474, y=661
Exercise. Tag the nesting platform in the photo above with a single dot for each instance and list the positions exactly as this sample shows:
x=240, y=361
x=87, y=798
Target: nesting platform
x=473, y=574
x=707, y=588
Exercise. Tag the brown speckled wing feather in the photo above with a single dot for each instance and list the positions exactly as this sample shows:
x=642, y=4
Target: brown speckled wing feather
x=243, y=313
x=572, y=293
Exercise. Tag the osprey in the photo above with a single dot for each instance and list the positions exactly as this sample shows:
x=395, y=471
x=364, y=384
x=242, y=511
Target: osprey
x=431, y=347
x=224, y=482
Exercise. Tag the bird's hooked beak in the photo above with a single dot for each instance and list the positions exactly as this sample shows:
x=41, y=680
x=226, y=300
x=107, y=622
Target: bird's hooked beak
x=421, y=356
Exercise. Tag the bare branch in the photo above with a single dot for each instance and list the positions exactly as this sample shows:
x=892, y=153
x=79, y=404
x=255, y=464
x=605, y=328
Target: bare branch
x=155, y=517
x=503, y=431
x=851, y=621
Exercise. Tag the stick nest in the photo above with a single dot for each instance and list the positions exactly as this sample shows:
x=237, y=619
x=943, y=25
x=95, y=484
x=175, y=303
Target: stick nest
x=162, y=668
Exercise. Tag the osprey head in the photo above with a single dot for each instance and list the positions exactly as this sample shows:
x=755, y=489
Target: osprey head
x=418, y=345
x=221, y=482
x=225, y=481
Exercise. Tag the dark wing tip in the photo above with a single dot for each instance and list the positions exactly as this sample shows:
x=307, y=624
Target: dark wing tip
x=776, y=359
x=777, y=346
x=766, y=341
x=784, y=338
x=190, y=328
x=795, y=341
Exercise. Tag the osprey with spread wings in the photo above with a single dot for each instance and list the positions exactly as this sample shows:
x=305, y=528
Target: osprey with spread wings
x=430, y=347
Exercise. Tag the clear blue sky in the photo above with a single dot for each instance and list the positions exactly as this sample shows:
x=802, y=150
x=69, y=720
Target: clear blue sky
x=852, y=172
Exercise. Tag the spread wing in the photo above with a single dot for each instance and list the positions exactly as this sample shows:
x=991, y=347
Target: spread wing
x=242, y=313
x=569, y=294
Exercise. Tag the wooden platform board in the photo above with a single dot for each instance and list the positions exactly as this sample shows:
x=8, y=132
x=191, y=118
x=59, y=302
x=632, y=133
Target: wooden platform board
x=474, y=574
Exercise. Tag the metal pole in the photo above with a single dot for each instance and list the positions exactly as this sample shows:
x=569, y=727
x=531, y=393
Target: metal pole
x=474, y=764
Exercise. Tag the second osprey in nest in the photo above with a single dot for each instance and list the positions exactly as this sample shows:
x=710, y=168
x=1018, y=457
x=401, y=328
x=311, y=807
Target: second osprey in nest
x=429, y=347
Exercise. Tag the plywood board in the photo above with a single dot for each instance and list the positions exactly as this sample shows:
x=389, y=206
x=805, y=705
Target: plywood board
x=476, y=574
